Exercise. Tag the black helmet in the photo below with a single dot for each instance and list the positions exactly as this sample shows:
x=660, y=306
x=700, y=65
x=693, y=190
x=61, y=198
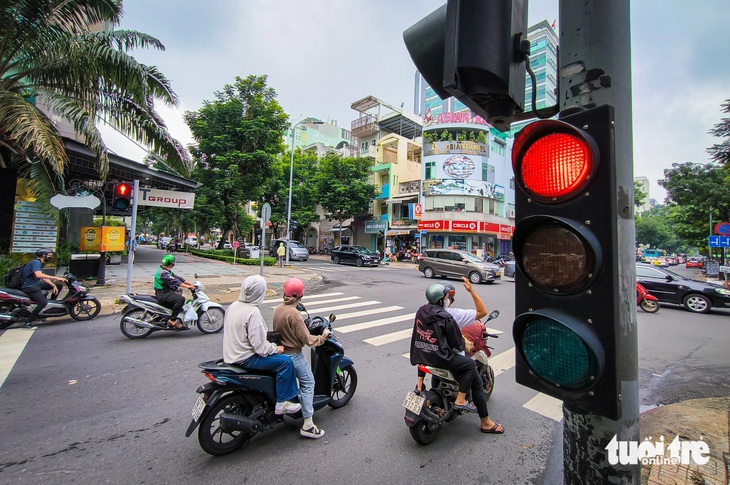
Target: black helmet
x=436, y=292
x=42, y=252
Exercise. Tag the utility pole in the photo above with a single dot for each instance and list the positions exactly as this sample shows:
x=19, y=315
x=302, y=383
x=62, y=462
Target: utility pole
x=595, y=69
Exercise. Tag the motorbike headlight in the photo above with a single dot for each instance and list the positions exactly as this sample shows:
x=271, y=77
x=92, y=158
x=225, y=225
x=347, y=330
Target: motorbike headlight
x=723, y=291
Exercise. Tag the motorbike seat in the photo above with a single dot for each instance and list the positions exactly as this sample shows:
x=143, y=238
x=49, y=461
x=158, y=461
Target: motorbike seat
x=441, y=373
x=14, y=292
x=149, y=298
x=220, y=366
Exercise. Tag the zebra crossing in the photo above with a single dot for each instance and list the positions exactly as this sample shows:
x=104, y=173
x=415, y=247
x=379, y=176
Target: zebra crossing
x=340, y=268
x=371, y=314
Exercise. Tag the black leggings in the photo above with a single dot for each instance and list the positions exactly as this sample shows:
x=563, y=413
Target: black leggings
x=465, y=372
x=38, y=295
x=172, y=300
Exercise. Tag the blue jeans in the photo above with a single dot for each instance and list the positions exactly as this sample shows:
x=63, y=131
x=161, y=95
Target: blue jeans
x=306, y=383
x=286, y=383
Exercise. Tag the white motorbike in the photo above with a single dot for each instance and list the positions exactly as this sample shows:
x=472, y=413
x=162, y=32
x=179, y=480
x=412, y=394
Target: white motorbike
x=144, y=314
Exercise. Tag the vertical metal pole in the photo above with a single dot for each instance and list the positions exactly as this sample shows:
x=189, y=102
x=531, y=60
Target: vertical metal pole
x=130, y=254
x=101, y=271
x=291, y=176
x=595, y=69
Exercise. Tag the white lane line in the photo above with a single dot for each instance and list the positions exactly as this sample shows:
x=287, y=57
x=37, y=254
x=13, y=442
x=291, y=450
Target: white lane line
x=305, y=297
x=333, y=300
x=546, y=406
x=502, y=361
x=343, y=307
x=389, y=337
x=12, y=343
x=374, y=323
x=364, y=313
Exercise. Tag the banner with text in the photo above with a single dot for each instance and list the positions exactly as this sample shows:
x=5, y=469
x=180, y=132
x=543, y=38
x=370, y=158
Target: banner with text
x=166, y=198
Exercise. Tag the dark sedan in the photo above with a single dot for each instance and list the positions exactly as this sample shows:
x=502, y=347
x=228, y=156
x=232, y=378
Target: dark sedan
x=669, y=287
x=357, y=255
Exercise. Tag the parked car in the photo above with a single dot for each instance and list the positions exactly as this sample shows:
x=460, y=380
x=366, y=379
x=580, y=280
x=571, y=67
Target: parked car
x=693, y=263
x=509, y=269
x=227, y=245
x=357, y=255
x=453, y=263
x=191, y=241
x=670, y=287
x=297, y=250
x=163, y=241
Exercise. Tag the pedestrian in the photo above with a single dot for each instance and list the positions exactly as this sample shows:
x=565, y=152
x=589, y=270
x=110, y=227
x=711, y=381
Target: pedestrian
x=280, y=252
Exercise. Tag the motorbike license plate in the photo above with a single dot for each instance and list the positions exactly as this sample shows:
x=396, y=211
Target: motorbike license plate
x=414, y=402
x=198, y=408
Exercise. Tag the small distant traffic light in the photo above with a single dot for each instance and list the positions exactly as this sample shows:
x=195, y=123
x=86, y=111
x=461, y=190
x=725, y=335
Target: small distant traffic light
x=122, y=196
x=566, y=249
x=292, y=224
x=472, y=50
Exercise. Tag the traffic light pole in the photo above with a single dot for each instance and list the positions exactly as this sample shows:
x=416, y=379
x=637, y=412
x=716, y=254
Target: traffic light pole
x=595, y=69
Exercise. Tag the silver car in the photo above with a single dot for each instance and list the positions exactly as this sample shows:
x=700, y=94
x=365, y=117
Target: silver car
x=453, y=263
x=296, y=249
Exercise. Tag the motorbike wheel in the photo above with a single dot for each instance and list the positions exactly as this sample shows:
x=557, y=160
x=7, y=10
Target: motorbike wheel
x=129, y=329
x=5, y=324
x=487, y=376
x=85, y=309
x=649, y=306
x=211, y=436
x=425, y=433
x=344, y=387
x=211, y=321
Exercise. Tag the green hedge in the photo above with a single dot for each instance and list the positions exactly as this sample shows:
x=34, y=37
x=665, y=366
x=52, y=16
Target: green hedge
x=227, y=256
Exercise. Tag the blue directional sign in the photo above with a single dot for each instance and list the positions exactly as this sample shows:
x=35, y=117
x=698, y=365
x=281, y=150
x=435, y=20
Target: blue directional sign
x=718, y=241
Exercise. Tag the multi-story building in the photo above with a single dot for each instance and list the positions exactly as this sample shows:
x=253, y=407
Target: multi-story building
x=391, y=137
x=644, y=185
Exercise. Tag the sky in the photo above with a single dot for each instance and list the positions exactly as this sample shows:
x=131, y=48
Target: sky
x=322, y=55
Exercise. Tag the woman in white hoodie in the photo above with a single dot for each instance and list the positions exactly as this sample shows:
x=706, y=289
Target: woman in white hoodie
x=245, y=344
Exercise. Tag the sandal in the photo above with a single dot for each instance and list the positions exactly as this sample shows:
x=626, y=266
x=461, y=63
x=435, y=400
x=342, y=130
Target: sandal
x=178, y=326
x=496, y=429
x=468, y=407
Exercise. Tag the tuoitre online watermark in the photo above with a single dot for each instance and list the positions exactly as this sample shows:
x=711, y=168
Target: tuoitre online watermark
x=653, y=453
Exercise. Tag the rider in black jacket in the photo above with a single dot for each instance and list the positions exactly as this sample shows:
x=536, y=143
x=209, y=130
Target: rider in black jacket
x=436, y=341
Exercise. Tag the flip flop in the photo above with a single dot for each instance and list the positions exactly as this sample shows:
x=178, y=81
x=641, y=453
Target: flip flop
x=468, y=407
x=493, y=429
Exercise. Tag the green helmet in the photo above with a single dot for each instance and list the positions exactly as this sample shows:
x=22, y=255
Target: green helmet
x=168, y=259
x=436, y=292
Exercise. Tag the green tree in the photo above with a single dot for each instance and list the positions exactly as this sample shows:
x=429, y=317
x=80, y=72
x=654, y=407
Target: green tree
x=48, y=56
x=720, y=152
x=696, y=194
x=304, y=191
x=238, y=136
x=639, y=195
x=654, y=228
x=344, y=187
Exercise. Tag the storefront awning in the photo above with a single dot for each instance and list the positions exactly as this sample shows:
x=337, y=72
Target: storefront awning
x=338, y=229
x=397, y=232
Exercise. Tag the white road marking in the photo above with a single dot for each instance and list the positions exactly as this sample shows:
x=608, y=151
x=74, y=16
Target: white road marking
x=333, y=300
x=12, y=343
x=374, y=323
x=304, y=298
x=546, y=406
x=389, y=337
x=502, y=361
x=349, y=305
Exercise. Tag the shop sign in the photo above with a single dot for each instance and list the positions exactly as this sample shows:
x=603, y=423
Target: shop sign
x=464, y=226
x=432, y=225
x=375, y=226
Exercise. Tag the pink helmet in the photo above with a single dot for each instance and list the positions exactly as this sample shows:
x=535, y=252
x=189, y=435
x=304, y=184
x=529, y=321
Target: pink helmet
x=294, y=287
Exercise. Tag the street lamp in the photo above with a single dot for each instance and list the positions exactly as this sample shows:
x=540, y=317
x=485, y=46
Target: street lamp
x=291, y=175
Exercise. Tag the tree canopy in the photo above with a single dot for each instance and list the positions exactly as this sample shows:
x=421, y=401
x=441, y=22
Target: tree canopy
x=720, y=152
x=238, y=136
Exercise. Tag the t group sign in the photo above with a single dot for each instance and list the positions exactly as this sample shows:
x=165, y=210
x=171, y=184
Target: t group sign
x=166, y=198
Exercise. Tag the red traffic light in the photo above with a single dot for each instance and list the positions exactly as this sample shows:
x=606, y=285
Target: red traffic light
x=554, y=161
x=123, y=190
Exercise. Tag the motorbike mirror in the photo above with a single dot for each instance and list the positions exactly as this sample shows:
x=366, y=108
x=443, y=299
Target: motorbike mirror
x=301, y=308
x=332, y=317
x=494, y=314
x=669, y=278
x=195, y=276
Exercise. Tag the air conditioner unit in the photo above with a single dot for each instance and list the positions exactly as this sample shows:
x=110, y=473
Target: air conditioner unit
x=511, y=214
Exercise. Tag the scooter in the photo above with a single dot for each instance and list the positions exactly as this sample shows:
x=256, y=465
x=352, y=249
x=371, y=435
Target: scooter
x=144, y=314
x=171, y=247
x=16, y=306
x=427, y=410
x=238, y=403
x=648, y=303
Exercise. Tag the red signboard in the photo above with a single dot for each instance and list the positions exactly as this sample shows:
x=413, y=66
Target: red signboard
x=464, y=226
x=503, y=231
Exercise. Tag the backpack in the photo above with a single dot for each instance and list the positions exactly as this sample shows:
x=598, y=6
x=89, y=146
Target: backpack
x=14, y=278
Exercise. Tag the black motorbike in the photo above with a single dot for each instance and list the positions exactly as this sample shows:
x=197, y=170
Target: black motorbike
x=172, y=247
x=427, y=411
x=238, y=403
x=16, y=306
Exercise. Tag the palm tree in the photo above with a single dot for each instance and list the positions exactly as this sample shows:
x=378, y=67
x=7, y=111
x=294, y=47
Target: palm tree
x=49, y=53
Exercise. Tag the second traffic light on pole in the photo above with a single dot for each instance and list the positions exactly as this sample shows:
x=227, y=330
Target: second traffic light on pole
x=565, y=245
x=122, y=196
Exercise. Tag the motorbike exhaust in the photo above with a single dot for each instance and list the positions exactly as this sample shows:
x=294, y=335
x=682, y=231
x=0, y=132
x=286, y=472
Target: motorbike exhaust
x=5, y=317
x=141, y=323
x=236, y=422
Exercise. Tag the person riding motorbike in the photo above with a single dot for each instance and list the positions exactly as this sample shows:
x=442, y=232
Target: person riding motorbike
x=35, y=288
x=288, y=322
x=245, y=344
x=167, y=290
x=437, y=341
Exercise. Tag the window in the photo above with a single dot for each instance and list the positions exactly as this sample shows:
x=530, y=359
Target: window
x=430, y=170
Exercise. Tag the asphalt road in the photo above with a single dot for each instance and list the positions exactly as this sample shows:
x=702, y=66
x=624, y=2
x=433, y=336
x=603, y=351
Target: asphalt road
x=83, y=404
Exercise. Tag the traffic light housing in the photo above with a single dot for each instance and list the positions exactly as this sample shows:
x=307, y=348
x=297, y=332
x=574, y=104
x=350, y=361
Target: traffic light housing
x=122, y=196
x=567, y=285
x=472, y=50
